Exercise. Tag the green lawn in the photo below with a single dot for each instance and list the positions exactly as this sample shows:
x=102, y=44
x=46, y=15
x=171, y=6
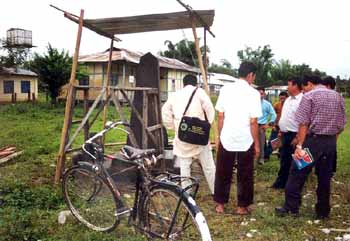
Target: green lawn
x=32, y=202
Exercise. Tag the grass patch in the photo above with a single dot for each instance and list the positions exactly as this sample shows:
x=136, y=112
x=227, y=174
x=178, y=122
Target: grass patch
x=31, y=203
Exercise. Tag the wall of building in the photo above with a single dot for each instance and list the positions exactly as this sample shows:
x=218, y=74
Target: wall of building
x=17, y=88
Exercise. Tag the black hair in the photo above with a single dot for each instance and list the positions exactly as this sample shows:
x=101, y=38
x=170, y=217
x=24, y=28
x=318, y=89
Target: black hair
x=297, y=81
x=314, y=79
x=190, y=79
x=261, y=88
x=330, y=81
x=283, y=93
x=246, y=68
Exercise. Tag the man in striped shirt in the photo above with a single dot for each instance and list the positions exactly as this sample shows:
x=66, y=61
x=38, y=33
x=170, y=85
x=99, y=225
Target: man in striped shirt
x=320, y=117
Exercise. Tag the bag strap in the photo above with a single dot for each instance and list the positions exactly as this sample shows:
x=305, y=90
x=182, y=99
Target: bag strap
x=189, y=102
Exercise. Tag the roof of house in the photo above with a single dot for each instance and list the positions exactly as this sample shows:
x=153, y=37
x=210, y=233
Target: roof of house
x=134, y=57
x=16, y=71
x=277, y=87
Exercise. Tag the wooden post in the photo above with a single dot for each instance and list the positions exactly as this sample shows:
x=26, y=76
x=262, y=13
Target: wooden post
x=70, y=100
x=199, y=57
x=204, y=75
x=145, y=119
x=107, y=83
x=86, y=109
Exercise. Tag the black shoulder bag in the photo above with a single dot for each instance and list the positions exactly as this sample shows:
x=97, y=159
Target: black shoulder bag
x=192, y=129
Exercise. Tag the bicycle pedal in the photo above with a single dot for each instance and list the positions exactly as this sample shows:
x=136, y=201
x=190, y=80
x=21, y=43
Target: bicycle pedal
x=123, y=212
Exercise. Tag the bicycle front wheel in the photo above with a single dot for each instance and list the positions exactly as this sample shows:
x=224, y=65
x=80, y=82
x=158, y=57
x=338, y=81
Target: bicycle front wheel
x=164, y=218
x=90, y=199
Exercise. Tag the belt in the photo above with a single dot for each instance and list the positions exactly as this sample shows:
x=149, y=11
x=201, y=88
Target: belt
x=313, y=135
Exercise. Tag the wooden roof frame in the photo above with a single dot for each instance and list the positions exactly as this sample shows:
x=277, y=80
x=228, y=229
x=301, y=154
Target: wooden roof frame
x=171, y=21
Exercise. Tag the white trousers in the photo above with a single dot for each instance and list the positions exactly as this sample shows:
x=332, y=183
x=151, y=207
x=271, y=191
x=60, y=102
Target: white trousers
x=207, y=162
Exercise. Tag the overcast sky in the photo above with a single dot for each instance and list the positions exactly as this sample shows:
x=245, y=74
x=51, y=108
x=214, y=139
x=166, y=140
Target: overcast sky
x=315, y=32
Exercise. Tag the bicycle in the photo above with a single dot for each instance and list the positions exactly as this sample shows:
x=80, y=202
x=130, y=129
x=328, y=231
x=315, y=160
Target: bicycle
x=161, y=208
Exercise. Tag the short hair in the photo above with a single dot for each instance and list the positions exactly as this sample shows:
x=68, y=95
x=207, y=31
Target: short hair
x=190, y=79
x=246, y=68
x=283, y=93
x=330, y=81
x=297, y=81
x=261, y=88
x=313, y=79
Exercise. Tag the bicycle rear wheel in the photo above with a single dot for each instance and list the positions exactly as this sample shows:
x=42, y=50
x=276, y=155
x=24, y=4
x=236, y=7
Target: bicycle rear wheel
x=159, y=209
x=90, y=199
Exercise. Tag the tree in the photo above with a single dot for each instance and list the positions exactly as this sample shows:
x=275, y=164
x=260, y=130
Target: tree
x=53, y=69
x=281, y=71
x=184, y=50
x=224, y=68
x=262, y=57
x=15, y=56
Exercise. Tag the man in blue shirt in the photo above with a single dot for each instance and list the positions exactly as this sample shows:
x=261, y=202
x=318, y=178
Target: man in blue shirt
x=267, y=119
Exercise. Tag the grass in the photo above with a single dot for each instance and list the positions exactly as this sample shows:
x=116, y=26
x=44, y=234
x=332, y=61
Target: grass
x=32, y=202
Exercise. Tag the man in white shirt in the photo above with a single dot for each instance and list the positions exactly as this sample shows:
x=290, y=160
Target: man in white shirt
x=239, y=106
x=288, y=129
x=172, y=112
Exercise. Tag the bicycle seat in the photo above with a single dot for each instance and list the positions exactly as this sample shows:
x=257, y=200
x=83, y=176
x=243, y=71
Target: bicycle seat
x=135, y=153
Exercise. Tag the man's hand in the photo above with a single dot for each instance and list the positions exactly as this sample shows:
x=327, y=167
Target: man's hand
x=257, y=151
x=299, y=153
x=264, y=127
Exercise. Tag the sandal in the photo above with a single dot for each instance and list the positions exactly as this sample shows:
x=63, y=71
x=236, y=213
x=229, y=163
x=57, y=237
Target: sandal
x=242, y=211
x=219, y=209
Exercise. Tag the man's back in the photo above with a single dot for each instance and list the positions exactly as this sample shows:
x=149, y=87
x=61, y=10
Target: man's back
x=323, y=110
x=239, y=102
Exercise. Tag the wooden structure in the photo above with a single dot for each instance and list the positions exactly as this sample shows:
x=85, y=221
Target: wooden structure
x=109, y=27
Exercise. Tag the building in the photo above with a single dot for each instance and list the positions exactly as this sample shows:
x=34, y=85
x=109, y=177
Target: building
x=273, y=91
x=124, y=64
x=18, y=84
x=216, y=81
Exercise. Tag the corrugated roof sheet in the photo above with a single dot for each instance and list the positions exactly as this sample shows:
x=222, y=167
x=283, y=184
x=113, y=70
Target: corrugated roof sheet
x=16, y=71
x=134, y=57
x=148, y=23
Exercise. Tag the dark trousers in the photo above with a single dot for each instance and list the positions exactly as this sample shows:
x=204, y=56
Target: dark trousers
x=245, y=176
x=285, y=160
x=323, y=150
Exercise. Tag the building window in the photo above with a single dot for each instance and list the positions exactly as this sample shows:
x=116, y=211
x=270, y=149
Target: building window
x=173, y=85
x=25, y=86
x=9, y=87
x=84, y=80
x=114, y=80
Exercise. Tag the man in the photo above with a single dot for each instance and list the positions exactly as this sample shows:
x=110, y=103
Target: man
x=172, y=112
x=274, y=133
x=320, y=117
x=288, y=129
x=267, y=119
x=329, y=82
x=238, y=108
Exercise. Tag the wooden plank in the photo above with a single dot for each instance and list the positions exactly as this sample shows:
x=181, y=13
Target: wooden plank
x=85, y=120
x=145, y=120
x=138, y=116
x=7, y=158
x=155, y=127
x=119, y=109
x=70, y=100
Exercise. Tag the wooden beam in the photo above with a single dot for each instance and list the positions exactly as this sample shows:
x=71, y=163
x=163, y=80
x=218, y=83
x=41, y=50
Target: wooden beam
x=123, y=118
x=86, y=110
x=9, y=157
x=70, y=100
x=107, y=83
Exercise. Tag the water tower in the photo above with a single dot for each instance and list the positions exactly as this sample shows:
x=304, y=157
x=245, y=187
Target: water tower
x=18, y=38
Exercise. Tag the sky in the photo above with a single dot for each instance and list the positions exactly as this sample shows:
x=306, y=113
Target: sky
x=315, y=32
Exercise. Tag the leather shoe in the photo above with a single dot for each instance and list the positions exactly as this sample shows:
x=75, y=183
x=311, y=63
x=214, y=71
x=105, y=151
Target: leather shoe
x=282, y=212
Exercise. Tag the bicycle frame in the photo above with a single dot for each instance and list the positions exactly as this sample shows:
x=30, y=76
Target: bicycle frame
x=144, y=181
